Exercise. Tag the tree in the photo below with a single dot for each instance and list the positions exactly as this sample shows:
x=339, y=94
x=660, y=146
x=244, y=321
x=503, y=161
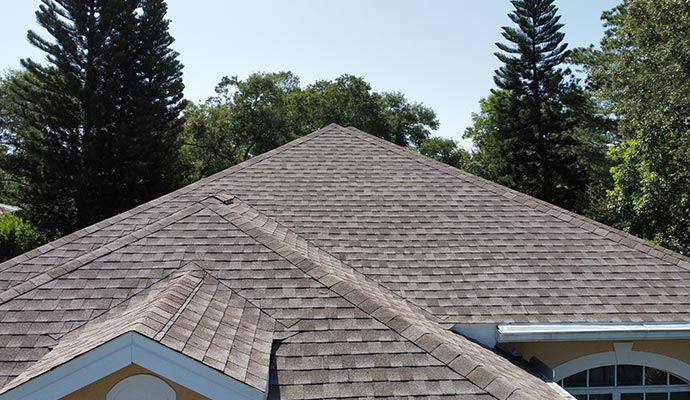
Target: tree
x=446, y=151
x=643, y=72
x=528, y=133
x=349, y=101
x=266, y=110
x=8, y=123
x=243, y=119
x=102, y=117
x=409, y=124
x=17, y=236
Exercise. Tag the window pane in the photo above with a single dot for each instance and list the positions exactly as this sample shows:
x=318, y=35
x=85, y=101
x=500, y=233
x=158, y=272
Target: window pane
x=657, y=396
x=629, y=375
x=580, y=397
x=602, y=376
x=680, y=396
x=654, y=376
x=674, y=380
x=577, y=380
x=632, y=396
x=601, y=397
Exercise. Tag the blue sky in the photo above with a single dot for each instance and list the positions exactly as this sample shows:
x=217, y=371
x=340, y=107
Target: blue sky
x=439, y=52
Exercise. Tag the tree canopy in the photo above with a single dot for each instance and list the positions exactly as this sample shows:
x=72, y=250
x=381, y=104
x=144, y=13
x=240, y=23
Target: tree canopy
x=643, y=73
x=100, y=120
x=534, y=131
x=251, y=116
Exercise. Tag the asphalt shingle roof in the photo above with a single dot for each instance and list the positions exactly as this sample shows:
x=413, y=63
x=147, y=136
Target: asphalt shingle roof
x=342, y=261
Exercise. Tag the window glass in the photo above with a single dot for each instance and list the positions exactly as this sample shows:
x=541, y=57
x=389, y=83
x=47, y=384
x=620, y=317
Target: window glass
x=680, y=396
x=607, y=396
x=577, y=380
x=657, y=396
x=602, y=376
x=632, y=396
x=629, y=375
x=674, y=380
x=654, y=376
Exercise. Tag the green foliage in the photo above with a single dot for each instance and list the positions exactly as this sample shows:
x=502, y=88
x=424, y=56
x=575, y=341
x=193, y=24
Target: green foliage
x=643, y=73
x=100, y=122
x=446, y=151
x=349, y=101
x=17, y=236
x=243, y=119
x=249, y=117
x=539, y=132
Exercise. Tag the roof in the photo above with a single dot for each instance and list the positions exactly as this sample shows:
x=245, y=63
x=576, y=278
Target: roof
x=334, y=266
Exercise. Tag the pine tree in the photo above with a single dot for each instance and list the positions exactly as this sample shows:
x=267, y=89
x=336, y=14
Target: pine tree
x=103, y=114
x=527, y=131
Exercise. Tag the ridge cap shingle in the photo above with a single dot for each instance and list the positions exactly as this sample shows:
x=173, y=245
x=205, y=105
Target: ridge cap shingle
x=615, y=235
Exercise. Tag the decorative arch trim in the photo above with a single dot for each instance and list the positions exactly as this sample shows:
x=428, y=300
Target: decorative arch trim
x=623, y=354
x=141, y=386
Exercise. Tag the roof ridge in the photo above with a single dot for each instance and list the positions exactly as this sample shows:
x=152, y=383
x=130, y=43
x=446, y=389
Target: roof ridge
x=589, y=225
x=56, y=271
x=157, y=201
x=410, y=321
x=189, y=297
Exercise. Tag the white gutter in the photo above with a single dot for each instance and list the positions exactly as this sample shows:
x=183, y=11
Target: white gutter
x=591, y=332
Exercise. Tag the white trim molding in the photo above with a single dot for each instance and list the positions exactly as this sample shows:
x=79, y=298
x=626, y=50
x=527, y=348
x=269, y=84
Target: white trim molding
x=514, y=333
x=132, y=348
x=622, y=354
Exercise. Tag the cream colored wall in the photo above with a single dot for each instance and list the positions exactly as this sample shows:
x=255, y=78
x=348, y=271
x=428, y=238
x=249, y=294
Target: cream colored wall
x=99, y=389
x=556, y=353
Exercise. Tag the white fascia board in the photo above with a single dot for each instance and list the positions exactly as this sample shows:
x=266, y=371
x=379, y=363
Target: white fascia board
x=514, y=333
x=132, y=348
x=190, y=373
x=484, y=334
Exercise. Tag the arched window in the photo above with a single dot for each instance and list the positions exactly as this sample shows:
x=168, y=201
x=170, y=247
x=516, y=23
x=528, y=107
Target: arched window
x=137, y=387
x=626, y=382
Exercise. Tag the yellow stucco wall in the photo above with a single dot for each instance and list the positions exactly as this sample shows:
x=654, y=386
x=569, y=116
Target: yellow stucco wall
x=99, y=389
x=556, y=353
